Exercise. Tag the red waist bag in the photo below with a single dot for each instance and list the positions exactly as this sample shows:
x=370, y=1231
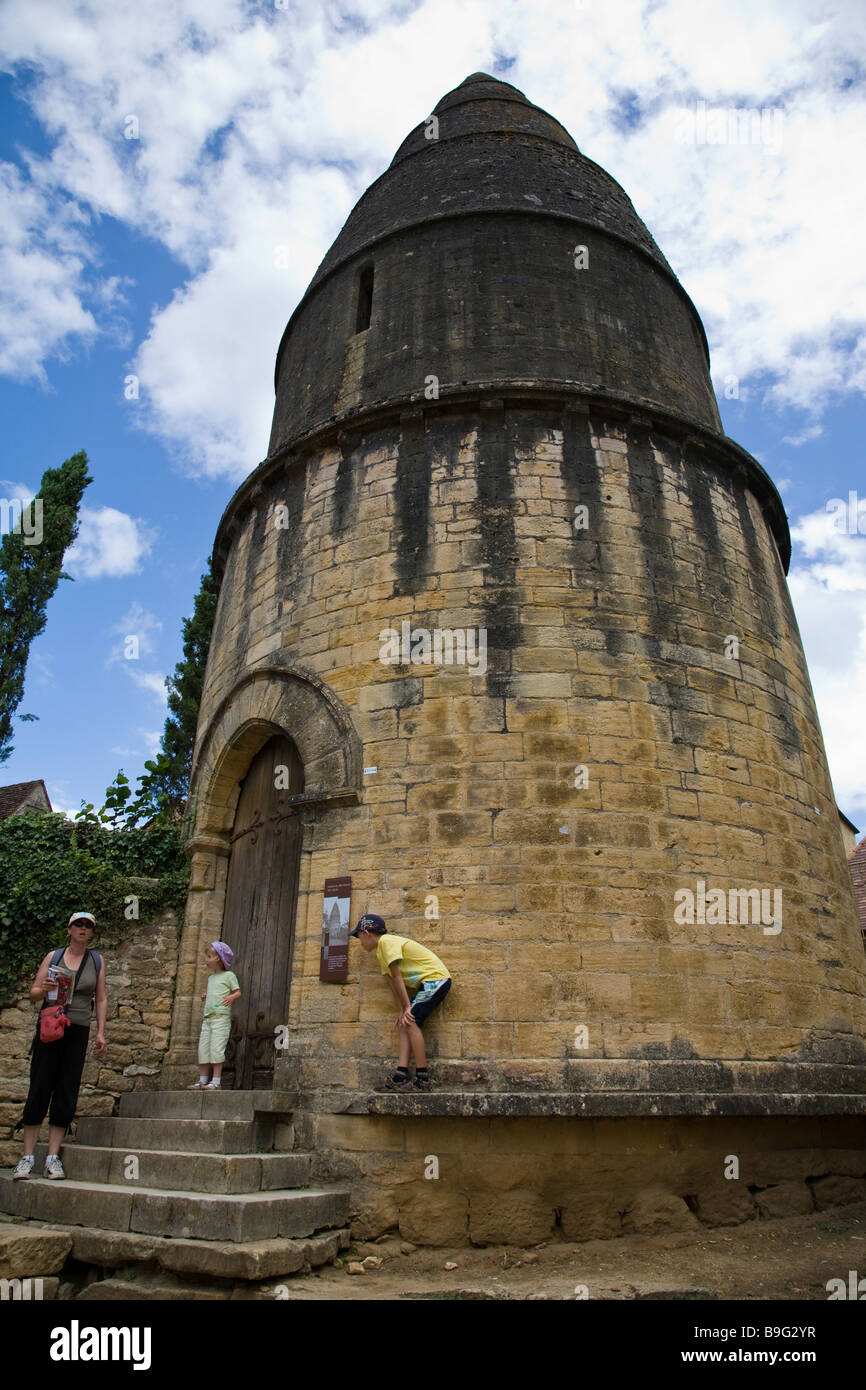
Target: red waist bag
x=52, y=1023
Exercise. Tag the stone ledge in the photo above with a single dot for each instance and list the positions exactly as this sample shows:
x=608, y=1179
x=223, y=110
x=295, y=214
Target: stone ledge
x=600, y=1104
x=517, y=393
x=616, y=1074
x=617, y=1086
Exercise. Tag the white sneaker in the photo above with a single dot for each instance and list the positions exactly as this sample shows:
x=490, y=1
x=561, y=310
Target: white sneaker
x=53, y=1167
x=24, y=1167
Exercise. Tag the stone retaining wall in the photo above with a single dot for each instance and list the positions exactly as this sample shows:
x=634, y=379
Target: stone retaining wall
x=457, y=1181
x=140, y=978
x=553, y=904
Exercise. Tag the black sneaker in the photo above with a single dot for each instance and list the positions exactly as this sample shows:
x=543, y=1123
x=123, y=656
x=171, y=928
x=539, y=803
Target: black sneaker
x=422, y=1083
x=392, y=1085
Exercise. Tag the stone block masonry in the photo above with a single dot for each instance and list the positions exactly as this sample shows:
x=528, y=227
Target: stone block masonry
x=553, y=903
x=620, y=834
x=519, y=1181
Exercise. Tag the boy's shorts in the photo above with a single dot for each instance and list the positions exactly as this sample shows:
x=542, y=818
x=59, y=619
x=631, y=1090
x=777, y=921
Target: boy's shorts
x=428, y=998
x=214, y=1037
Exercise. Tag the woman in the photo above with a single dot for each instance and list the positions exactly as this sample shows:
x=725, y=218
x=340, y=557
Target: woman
x=56, y=1067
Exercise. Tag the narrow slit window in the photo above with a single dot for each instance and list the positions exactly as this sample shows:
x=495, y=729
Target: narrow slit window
x=365, y=299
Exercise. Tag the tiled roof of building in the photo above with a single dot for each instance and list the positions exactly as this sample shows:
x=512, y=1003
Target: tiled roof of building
x=13, y=797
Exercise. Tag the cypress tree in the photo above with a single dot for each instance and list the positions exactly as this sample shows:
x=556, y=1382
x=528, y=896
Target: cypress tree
x=29, y=575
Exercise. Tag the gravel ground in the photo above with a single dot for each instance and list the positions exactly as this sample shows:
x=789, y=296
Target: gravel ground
x=788, y=1258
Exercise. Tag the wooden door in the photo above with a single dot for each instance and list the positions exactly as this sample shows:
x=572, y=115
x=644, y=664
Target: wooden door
x=259, y=918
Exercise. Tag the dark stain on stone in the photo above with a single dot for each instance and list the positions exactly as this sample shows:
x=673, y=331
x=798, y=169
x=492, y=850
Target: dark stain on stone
x=654, y=536
x=445, y=440
x=758, y=563
x=406, y=692
x=344, y=484
x=583, y=483
x=290, y=539
x=581, y=478
x=227, y=588
x=713, y=586
x=788, y=731
x=498, y=442
x=786, y=606
x=412, y=507
x=256, y=521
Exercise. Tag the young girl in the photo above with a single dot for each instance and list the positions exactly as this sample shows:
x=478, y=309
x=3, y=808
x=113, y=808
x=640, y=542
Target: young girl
x=222, y=991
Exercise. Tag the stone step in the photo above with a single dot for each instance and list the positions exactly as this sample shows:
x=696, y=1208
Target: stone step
x=174, y=1171
x=206, y=1105
x=243, y=1260
x=137, y=1290
x=237, y=1217
x=27, y=1251
x=181, y=1136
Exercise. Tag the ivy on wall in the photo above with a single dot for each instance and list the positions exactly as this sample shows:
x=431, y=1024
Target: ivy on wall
x=51, y=867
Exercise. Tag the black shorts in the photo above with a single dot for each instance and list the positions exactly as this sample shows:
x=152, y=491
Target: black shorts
x=428, y=998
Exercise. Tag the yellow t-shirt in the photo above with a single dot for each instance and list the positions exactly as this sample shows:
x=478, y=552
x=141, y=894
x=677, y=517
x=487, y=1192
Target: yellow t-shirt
x=417, y=963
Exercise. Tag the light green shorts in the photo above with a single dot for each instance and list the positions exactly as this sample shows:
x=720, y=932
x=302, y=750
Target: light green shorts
x=214, y=1036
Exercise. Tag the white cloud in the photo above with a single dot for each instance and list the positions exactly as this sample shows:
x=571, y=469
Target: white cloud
x=151, y=681
x=206, y=366
x=22, y=491
x=136, y=630
x=828, y=587
x=43, y=256
x=58, y=795
x=152, y=739
x=110, y=544
x=261, y=127
x=805, y=436
x=40, y=668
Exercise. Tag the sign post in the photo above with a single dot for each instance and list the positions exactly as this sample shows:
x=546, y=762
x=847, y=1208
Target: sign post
x=334, y=962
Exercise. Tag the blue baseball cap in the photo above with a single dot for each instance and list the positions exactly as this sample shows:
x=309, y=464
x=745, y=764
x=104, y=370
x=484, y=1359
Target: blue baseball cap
x=370, y=922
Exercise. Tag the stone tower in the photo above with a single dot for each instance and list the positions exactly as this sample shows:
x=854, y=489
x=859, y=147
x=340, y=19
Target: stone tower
x=504, y=636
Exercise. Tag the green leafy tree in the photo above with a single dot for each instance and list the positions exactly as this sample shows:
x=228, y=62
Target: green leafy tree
x=50, y=867
x=115, y=812
x=29, y=574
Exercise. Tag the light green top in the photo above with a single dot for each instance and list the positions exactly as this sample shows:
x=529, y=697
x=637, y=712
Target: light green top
x=221, y=983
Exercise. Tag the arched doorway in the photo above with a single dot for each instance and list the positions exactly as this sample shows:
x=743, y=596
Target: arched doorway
x=259, y=917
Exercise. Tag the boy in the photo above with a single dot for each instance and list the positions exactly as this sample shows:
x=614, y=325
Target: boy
x=406, y=962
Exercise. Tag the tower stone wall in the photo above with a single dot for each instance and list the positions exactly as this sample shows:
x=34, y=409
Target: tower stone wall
x=618, y=828
x=606, y=651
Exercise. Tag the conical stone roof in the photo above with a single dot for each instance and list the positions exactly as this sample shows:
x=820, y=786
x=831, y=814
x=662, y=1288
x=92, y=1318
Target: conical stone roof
x=469, y=245
x=499, y=162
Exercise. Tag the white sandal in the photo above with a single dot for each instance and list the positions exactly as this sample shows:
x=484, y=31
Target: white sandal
x=199, y=1086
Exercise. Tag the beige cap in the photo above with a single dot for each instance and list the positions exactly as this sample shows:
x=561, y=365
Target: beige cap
x=82, y=917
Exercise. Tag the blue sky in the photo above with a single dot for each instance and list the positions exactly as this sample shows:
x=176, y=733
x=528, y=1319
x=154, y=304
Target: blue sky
x=257, y=127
